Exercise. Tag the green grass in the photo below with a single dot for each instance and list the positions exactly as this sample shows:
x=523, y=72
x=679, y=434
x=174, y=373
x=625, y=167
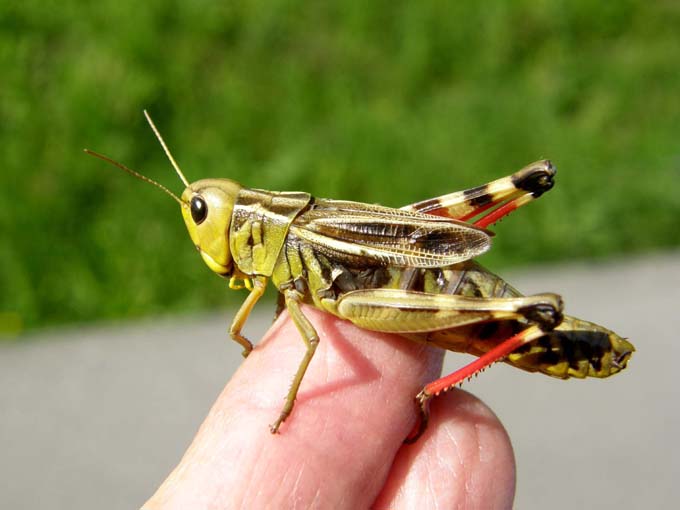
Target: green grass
x=387, y=102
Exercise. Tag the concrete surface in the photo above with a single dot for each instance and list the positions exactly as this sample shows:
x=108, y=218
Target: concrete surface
x=96, y=417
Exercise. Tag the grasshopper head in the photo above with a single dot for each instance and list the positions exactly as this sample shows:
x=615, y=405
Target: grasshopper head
x=206, y=207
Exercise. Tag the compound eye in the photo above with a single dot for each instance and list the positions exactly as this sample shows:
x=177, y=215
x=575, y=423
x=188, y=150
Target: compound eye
x=199, y=209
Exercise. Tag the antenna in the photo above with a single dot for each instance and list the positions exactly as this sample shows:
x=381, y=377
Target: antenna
x=135, y=174
x=165, y=148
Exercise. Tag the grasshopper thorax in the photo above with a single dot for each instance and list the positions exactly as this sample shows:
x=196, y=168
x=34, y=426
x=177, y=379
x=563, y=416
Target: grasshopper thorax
x=207, y=207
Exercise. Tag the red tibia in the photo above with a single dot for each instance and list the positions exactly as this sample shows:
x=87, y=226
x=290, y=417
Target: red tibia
x=495, y=354
x=497, y=214
x=477, y=211
x=445, y=212
x=488, y=219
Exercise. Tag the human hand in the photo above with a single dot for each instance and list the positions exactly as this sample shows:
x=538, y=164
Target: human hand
x=342, y=445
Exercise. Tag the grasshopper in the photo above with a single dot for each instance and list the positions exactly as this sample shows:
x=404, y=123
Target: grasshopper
x=408, y=271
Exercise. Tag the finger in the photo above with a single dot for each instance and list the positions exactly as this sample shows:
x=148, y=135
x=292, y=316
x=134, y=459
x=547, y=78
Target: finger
x=464, y=460
x=354, y=409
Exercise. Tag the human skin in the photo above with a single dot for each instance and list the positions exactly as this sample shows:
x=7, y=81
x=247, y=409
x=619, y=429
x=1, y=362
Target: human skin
x=342, y=446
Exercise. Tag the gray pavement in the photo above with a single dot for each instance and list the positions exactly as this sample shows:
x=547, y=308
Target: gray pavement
x=96, y=417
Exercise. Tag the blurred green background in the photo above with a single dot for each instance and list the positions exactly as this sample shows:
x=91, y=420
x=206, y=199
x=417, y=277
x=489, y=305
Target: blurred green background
x=388, y=102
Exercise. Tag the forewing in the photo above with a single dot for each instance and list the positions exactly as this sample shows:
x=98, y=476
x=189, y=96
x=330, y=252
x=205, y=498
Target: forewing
x=377, y=234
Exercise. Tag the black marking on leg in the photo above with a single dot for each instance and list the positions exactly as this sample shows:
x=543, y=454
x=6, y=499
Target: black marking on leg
x=547, y=317
x=536, y=179
x=478, y=196
x=488, y=330
x=429, y=204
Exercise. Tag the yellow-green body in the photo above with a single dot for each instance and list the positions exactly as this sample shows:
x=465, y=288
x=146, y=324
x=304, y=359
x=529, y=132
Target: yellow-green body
x=285, y=238
x=408, y=271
